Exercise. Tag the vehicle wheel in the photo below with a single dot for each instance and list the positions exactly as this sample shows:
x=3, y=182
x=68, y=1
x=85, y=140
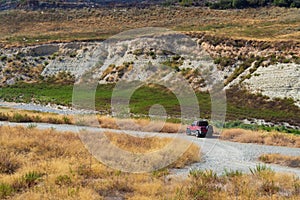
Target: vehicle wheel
x=210, y=131
x=188, y=131
x=198, y=134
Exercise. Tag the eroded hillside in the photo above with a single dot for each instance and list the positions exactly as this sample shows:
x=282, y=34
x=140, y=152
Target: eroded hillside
x=270, y=68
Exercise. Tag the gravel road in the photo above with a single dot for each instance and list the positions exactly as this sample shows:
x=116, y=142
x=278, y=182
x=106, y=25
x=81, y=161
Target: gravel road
x=58, y=109
x=217, y=154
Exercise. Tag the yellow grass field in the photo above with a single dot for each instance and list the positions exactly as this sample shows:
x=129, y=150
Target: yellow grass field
x=36, y=164
x=45, y=163
x=269, y=24
x=261, y=137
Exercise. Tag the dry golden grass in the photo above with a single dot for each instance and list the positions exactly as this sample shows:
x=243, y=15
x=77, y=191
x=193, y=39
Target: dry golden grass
x=261, y=137
x=21, y=27
x=52, y=165
x=16, y=115
x=60, y=167
x=140, y=125
x=191, y=155
x=137, y=144
x=290, y=161
x=262, y=184
x=150, y=144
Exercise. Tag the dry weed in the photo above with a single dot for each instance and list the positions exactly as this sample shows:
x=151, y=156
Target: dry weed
x=54, y=165
x=261, y=137
x=290, y=161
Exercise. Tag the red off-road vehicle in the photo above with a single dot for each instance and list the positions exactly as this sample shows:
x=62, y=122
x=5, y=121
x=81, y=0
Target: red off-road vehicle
x=198, y=128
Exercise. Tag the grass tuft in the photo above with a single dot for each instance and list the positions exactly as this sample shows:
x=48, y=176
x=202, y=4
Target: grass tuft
x=5, y=190
x=261, y=137
x=290, y=161
x=8, y=163
x=259, y=169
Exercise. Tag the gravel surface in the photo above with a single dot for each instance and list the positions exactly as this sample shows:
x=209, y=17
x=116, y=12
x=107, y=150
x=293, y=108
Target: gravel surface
x=64, y=110
x=218, y=155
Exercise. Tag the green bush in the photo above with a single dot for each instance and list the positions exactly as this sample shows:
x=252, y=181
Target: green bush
x=3, y=58
x=31, y=178
x=254, y=127
x=66, y=120
x=232, y=173
x=186, y=2
x=5, y=190
x=224, y=61
x=239, y=3
x=258, y=169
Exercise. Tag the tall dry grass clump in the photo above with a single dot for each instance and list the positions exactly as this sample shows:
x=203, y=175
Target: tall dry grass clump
x=150, y=144
x=192, y=155
x=140, y=125
x=261, y=137
x=137, y=144
x=263, y=183
x=290, y=161
x=15, y=115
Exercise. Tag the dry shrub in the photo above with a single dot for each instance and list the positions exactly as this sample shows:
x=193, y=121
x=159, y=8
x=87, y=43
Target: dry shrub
x=89, y=120
x=261, y=137
x=116, y=187
x=8, y=162
x=137, y=144
x=41, y=143
x=232, y=134
x=202, y=184
x=144, y=145
x=282, y=139
x=173, y=128
x=107, y=122
x=290, y=161
x=140, y=125
x=191, y=155
x=16, y=115
x=250, y=138
x=264, y=185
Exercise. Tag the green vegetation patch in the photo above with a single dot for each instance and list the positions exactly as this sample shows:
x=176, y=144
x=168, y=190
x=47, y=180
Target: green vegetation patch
x=241, y=104
x=255, y=127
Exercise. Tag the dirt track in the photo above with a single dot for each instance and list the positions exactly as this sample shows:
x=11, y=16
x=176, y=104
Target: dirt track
x=217, y=154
